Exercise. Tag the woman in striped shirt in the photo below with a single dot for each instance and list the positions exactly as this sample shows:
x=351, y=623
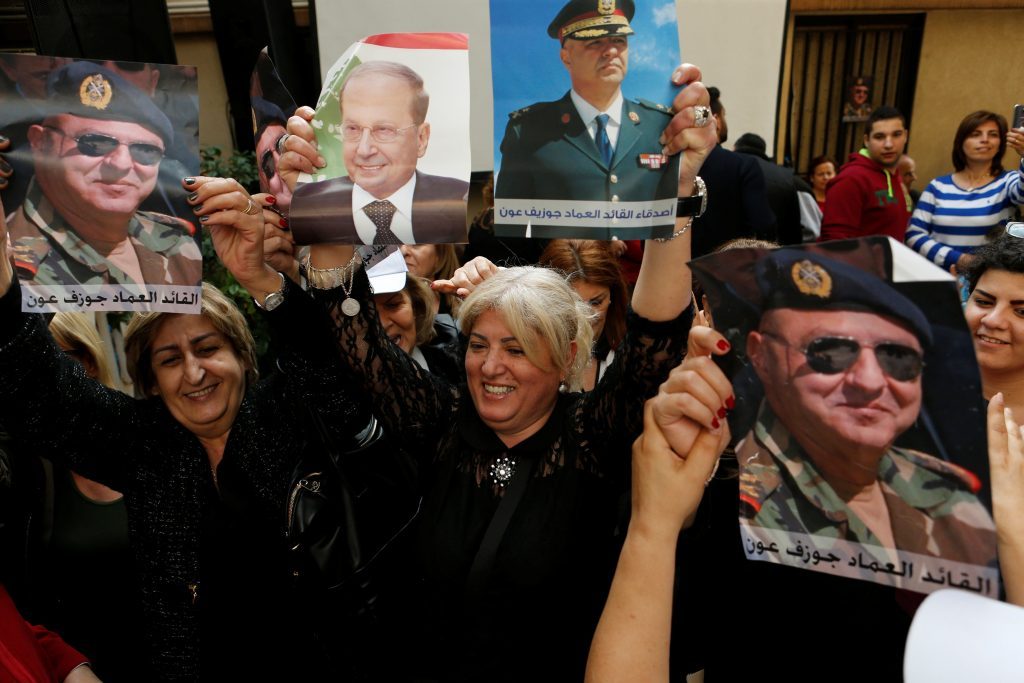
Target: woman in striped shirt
x=956, y=212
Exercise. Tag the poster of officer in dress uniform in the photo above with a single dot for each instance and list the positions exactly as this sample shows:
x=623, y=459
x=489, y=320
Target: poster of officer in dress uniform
x=94, y=207
x=855, y=457
x=581, y=97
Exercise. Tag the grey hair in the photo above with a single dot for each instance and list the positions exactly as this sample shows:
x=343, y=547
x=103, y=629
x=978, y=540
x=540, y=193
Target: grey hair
x=420, y=98
x=540, y=308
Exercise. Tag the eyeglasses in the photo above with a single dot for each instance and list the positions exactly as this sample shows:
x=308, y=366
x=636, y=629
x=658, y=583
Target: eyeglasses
x=350, y=132
x=100, y=145
x=1015, y=229
x=832, y=355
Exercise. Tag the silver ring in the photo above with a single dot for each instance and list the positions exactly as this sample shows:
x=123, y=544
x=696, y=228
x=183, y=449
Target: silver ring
x=281, y=141
x=713, y=472
x=250, y=209
x=701, y=115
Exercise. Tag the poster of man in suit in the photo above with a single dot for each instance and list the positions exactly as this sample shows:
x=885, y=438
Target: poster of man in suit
x=393, y=124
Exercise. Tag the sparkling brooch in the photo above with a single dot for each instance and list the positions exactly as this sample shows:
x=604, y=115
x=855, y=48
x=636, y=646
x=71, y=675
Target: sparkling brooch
x=502, y=470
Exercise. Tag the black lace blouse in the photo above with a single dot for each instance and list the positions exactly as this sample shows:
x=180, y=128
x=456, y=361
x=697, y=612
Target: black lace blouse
x=534, y=617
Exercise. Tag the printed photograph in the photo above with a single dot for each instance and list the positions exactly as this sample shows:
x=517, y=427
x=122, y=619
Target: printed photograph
x=96, y=214
x=393, y=124
x=581, y=97
x=855, y=457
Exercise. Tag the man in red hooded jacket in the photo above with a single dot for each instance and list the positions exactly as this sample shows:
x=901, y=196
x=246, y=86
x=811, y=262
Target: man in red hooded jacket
x=867, y=197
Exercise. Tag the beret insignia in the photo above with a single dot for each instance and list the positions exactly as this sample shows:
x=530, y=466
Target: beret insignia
x=811, y=279
x=95, y=91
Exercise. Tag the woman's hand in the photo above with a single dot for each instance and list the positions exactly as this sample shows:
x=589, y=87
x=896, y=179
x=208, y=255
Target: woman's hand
x=278, y=241
x=682, y=134
x=1015, y=139
x=6, y=170
x=465, y=279
x=298, y=149
x=6, y=267
x=1006, y=472
x=697, y=395
x=668, y=485
x=236, y=224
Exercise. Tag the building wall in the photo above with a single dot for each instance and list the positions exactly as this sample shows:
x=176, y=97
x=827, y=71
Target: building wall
x=738, y=46
x=200, y=50
x=970, y=60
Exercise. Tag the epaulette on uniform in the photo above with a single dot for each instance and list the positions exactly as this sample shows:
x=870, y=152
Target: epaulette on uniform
x=533, y=110
x=754, y=490
x=759, y=477
x=519, y=113
x=961, y=475
x=28, y=254
x=171, y=221
x=655, y=106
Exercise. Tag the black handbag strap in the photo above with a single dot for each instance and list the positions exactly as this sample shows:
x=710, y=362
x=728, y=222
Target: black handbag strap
x=488, y=550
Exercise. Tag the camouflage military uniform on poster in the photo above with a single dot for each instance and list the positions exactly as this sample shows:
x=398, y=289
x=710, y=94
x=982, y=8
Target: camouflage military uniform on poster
x=47, y=251
x=931, y=503
x=97, y=152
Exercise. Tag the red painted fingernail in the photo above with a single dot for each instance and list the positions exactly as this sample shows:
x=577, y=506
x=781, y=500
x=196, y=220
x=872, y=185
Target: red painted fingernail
x=730, y=402
x=714, y=423
x=271, y=199
x=284, y=222
x=724, y=345
x=721, y=412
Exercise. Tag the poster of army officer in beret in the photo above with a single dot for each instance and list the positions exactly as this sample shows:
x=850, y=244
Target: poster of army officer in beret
x=93, y=149
x=856, y=457
x=392, y=124
x=581, y=95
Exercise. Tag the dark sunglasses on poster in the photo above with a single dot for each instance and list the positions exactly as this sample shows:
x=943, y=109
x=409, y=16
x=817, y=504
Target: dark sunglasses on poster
x=832, y=355
x=100, y=145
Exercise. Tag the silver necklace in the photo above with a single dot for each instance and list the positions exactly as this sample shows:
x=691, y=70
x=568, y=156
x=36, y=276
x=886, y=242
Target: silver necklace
x=349, y=306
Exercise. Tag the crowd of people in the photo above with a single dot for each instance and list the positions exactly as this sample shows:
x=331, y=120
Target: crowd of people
x=557, y=407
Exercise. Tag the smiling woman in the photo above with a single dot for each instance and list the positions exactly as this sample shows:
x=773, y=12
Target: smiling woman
x=521, y=480
x=995, y=317
x=204, y=458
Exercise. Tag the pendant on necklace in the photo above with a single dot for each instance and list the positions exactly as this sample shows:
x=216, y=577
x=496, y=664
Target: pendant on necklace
x=350, y=307
x=502, y=470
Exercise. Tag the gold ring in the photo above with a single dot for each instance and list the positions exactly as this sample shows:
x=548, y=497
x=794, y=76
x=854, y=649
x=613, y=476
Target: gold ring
x=250, y=209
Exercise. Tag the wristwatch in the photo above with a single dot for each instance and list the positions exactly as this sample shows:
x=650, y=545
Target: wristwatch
x=695, y=204
x=274, y=299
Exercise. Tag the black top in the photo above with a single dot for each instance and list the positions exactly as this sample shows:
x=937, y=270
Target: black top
x=85, y=588
x=138, y=448
x=737, y=202
x=536, y=612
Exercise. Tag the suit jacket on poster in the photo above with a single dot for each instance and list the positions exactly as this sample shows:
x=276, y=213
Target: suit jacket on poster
x=547, y=153
x=320, y=211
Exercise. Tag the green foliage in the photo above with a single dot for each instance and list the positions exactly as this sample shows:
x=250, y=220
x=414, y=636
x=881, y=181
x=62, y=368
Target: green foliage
x=239, y=165
x=242, y=167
